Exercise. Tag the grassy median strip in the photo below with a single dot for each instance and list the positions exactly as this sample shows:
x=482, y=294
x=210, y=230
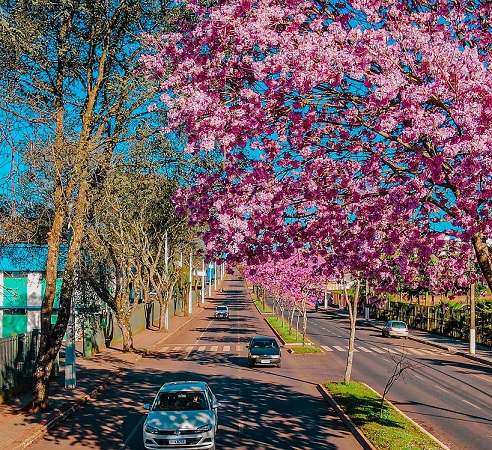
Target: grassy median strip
x=387, y=431
x=259, y=305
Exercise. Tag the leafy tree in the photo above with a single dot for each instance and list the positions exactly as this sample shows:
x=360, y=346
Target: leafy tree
x=71, y=83
x=363, y=117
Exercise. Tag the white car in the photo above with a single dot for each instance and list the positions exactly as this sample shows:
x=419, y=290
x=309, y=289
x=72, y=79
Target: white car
x=221, y=312
x=182, y=415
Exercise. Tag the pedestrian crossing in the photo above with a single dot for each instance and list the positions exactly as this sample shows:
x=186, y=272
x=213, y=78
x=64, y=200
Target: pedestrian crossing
x=385, y=350
x=235, y=348
x=203, y=348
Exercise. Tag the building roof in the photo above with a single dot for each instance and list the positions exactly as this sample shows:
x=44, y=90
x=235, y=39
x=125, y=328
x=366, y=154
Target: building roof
x=28, y=257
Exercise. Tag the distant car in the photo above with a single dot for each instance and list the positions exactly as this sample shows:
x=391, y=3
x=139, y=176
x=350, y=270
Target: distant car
x=221, y=312
x=395, y=328
x=182, y=415
x=264, y=350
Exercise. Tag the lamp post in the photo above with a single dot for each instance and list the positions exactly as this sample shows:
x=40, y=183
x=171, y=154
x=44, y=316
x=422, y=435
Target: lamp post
x=70, y=361
x=472, y=319
x=190, y=293
x=203, y=281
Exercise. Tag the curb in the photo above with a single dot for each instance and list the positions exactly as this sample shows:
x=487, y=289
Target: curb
x=357, y=433
x=423, y=430
x=65, y=411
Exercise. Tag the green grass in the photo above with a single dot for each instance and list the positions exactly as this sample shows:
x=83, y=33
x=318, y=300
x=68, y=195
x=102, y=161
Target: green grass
x=305, y=349
x=259, y=305
x=391, y=431
x=288, y=336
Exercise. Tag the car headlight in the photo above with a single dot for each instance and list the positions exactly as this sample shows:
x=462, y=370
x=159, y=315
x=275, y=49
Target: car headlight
x=254, y=356
x=204, y=428
x=151, y=429
x=275, y=356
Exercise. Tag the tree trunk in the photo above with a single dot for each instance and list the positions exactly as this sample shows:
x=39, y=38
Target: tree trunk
x=162, y=316
x=479, y=243
x=126, y=331
x=352, y=307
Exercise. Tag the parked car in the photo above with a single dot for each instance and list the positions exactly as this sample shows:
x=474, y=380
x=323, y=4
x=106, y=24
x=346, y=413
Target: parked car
x=182, y=415
x=264, y=350
x=221, y=312
x=395, y=328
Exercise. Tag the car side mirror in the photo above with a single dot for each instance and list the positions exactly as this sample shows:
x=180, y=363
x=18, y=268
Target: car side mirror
x=216, y=405
x=147, y=406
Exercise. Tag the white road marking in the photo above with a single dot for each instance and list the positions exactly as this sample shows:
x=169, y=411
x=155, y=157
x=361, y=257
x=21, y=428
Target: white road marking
x=419, y=377
x=239, y=348
x=164, y=349
x=340, y=349
x=471, y=404
x=201, y=348
x=326, y=348
x=189, y=349
x=377, y=350
x=227, y=348
x=214, y=348
x=441, y=388
x=481, y=377
x=175, y=349
x=366, y=350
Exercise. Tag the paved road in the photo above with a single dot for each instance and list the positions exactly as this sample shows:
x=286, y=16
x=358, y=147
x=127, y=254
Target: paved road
x=262, y=408
x=449, y=395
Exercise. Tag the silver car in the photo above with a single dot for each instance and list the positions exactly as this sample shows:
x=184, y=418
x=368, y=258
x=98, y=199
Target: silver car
x=183, y=415
x=395, y=328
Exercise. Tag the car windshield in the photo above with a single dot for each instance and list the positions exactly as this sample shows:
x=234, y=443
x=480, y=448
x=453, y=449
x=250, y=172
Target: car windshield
x=264, y=344
x=398, y=325
x=221, y=308
x=180, y=401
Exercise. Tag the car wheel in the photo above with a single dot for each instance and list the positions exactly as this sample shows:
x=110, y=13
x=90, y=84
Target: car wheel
x=382, y=334
x=279, y=365
x=250, y=364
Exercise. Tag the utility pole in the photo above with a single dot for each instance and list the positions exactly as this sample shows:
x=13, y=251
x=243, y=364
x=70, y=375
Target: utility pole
x=472, y=319
x=190, y=294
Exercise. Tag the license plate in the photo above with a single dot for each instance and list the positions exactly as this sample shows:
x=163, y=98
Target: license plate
x=177, y=441
x=265, y=361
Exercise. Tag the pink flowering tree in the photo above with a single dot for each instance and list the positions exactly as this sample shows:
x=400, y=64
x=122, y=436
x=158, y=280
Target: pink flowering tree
x=295, y=282
x=360, y=131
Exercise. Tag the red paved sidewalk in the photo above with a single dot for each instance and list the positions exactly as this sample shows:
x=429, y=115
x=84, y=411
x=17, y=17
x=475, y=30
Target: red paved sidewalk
x=18, y=430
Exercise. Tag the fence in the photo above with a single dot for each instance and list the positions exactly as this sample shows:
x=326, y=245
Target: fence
x=18, y=353
x=17, y=360
x=447, y=322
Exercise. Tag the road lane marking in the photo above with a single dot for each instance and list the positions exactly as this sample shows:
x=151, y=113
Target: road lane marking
x=390, y=350
x=164, y=349
x=239, y=348
x=377, y=350
x=201, y=348
x=189, y=349
x=175, y=349
x=481, y=377
x=419, y=377
x=227, y=348
x=214, y=348
x=366, y=350
x=340, y=349
x=326, y=348
x=414, y=350
x=471, y=404
x=441, y=388
x=355, y=350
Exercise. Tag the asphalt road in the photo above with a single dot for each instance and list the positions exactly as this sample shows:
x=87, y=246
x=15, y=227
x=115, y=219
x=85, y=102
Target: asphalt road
x=262, y=408
x=449, y=395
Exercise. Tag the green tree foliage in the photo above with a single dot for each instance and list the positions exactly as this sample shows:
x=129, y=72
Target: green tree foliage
x=70, y=87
